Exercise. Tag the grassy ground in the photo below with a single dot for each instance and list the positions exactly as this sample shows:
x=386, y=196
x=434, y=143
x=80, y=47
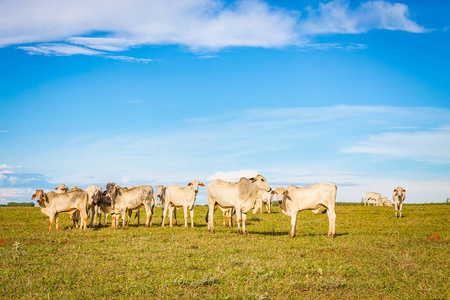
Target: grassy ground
x=373, y=256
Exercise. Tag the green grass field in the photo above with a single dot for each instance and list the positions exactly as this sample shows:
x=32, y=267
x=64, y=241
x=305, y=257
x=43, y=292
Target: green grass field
x=373, y=256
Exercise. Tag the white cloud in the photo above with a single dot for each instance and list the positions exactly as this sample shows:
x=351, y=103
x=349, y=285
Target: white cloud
x=197, y=24
x=4, y=131
x=129, y=59
x=233, y=175
x=58, y=49
x=331, y=46
x=336, y=17
x=431, y=146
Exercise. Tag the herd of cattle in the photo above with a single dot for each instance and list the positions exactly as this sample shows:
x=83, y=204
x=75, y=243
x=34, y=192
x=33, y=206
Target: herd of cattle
x=232, y=198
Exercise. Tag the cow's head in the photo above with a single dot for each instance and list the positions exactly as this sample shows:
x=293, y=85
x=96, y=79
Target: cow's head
x=110, y=188
x=62, y=188
x=280, y=192
x=160, y=191
x=97, y=197
x=399, y=192
x=40, y=197
x=195, y=184
x=261, y=184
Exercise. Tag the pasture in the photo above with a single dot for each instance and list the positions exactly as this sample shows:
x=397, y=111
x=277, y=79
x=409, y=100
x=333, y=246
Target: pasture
x=373, y=256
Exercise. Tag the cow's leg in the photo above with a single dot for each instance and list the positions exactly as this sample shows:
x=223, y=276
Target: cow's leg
x=396, y=209
x=56, y=221
x=83, y=217
x=164, y=212
x=106, y=219
x=210, y=216
x=332, y=221
x=192, y=216
x=238, y=218
x=149, y=211
x=99, y=219
x=185, y=209
x=293, y=223
x=92, y=212
x=401, y=206
x=174, y=216
x=124, y=212
x=230, y=217
x=138, y=214
x=129, y=213
x=225, y=218
x=170, y=215
x=244, y=220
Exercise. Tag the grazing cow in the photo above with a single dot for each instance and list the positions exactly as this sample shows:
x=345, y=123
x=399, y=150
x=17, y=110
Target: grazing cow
x=129, y=199
x=102, y=204
x=161, y=193
x=241, y=195
x=266, y=199
x=398, y=196
x=52, y=204
x=376, y=197
x=227, y=215
x=177, y=196
x=294, y=199
x=385, y=202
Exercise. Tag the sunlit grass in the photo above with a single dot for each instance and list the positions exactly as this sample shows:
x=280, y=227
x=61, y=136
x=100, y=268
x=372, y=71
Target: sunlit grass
x=373, y=255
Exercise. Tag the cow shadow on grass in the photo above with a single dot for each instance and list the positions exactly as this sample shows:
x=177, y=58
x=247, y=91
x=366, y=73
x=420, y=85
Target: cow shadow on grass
x=298, y=234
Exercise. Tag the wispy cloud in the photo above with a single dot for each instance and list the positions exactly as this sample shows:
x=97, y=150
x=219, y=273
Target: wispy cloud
x=129, y=59
x=336, y=17
x=199, y=25
x=58, y=49
x=4, y=131
x=431, y=146
x=331, y=46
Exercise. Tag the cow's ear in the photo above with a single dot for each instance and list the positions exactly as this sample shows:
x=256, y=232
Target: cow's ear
x=395, y=190
x=286, y=192
x=190, y=183
x=201, y=184
x=33, y=197
x=404, y=191
x=45, y=197
x=272, y=192
x=56, y=188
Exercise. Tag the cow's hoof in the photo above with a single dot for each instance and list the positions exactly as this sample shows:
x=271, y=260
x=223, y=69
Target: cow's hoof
x=245, y=233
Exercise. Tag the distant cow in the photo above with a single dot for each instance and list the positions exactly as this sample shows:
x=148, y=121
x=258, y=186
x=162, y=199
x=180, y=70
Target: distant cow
x=376, y=197
x=386, y=202
x=294, y=199
x=239, y=195
x=266, y=199
x=161, y=193
x=177, y=196
x=398, y=196
x=52, y=204
x=123, y=199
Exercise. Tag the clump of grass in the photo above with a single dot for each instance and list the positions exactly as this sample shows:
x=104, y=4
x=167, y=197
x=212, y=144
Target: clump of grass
x=207, y=279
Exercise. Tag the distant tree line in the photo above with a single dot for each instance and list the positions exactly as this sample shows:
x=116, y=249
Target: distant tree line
x=17, y=204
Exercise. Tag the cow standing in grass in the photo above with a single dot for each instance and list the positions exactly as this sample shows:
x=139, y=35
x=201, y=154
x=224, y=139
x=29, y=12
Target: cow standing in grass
x=398, y=196
x=52, y=204
x=294, y=199
x=239, y=195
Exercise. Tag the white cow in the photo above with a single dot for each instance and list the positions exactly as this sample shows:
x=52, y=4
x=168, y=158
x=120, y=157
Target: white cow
x=398, y=196
x=52, y=204
x=376, y=197
x=161, y=193
x=103, y=204
x=177, y=196
x=385, y=202
x=75, y=215
x=266, y=199
x=123, y=199
x=240, y=195
x=294, y=199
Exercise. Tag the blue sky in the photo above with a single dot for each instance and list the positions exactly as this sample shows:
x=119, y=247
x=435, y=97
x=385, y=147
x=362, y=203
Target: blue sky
x=355, y=93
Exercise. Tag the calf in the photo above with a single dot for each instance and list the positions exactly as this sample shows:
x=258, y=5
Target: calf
x=398, y=196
